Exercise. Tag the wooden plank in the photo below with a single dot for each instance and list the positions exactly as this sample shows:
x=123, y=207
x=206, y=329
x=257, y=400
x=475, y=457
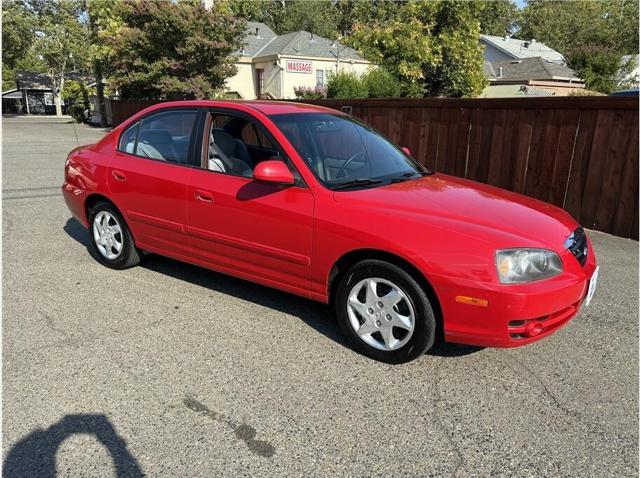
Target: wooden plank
x=595, y=165
x=496, y=156
x=625, y=209
x=579, y=163
x=618, y=143
x=522, y=149
x=567, y=137
x=536, y=153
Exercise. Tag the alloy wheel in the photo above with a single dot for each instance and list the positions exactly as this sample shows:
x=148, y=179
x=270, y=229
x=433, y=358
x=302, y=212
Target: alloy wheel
x=380, y=313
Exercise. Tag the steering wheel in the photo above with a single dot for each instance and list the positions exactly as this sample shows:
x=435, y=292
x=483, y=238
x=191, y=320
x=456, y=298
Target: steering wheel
x=348, y=162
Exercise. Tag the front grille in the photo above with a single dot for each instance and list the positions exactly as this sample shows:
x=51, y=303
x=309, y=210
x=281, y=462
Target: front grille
x=577, y=244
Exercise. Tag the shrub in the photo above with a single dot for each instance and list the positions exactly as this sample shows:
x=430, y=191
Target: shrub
x=76, y=111
x=310, y=93
x=76, y=96
x=346, y=85
x=381, y=84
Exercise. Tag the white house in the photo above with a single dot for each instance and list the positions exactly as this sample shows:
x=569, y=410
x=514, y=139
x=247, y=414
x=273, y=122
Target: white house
x=507, y=48
x=270, y=65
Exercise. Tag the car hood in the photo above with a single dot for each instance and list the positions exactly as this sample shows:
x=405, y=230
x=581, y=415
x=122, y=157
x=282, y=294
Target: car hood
x=447, y=201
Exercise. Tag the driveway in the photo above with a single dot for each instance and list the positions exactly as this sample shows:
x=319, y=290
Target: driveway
x=170, y=370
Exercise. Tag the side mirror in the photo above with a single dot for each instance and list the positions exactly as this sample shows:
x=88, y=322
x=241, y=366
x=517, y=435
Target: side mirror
x=274, y=172
x=407, y=151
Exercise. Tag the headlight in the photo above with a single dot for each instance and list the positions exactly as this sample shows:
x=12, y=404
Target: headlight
x=526, y=265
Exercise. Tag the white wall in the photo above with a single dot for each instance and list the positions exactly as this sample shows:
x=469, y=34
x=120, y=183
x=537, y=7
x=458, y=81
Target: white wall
x=291, y=80
x=243, y=82
x=491, y=53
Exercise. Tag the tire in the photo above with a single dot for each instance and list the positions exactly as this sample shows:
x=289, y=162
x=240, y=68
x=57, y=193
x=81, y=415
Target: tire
x=127, y=255
x=378, y=316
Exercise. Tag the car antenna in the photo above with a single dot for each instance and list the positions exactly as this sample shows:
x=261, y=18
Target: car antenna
x=75, y=132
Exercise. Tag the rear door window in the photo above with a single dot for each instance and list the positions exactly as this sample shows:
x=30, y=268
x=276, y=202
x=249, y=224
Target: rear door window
x=165, y=136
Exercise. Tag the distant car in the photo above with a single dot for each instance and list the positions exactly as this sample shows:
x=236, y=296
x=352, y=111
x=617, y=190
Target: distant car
x=631, y=92
x=313, y=202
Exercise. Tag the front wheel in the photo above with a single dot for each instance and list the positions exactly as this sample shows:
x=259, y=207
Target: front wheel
x=384, y=312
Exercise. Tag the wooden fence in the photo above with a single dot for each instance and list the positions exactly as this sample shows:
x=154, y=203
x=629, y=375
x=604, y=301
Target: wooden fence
x=579, y=153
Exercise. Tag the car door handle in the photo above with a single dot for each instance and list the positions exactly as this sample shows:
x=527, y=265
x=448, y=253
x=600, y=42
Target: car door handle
x=118, y=176
x=204, y=196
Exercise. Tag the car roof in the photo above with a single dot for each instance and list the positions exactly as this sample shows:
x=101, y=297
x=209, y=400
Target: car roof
x=267, y=107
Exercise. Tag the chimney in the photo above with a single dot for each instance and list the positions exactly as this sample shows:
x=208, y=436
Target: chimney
x=311, y=39
x=257, y=32
x=500, y=72
x=506, y=37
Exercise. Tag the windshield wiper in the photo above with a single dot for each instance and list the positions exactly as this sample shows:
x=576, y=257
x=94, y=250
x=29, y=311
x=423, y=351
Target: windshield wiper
x=409, y=175
x=357, y=182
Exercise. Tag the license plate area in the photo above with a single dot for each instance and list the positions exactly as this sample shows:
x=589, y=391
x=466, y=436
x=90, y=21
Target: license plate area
x=592, y=286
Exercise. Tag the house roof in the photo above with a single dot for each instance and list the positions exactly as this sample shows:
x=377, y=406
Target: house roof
x=526, y=69
x=12, y=94
x=300, y=43
x=523, y=48
x=30, y=80
x=258, y=36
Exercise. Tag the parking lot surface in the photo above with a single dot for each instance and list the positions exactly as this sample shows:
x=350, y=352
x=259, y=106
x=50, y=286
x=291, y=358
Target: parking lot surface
x=171, y=370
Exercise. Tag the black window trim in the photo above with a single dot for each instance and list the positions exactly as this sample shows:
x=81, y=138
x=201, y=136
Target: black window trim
x=299, y=180
x=171, y=109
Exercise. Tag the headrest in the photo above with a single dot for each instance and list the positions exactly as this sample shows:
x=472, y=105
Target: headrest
x=224, y=140
x=156, y=136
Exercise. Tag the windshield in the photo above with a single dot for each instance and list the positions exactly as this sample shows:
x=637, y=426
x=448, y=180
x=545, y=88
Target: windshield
x=345, y=153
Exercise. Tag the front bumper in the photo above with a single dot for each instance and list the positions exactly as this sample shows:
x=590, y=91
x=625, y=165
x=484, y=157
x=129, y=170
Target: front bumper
x=516, y=314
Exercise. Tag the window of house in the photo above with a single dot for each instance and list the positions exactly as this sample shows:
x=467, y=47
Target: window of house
x=319, y=77
x=164, y=136
x=259, y=82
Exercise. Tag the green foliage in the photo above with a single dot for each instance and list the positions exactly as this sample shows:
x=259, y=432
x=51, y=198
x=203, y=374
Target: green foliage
x=381, y=84
x=346, y=85
x=318, y=16
x=497, y=17
x=18, y=32
x=175, y=50
x=593, y=36
x=76, y=111
x=429, y=46
x=610, y=24
x=600, y=68
x=75, y=92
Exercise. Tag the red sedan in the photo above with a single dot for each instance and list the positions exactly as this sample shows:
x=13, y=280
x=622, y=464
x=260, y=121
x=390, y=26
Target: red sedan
x=313, y=202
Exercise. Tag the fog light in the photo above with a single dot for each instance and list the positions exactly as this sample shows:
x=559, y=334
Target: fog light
x=534, y=328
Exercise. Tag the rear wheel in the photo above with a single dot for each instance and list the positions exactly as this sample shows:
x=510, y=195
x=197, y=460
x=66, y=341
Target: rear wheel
x=110, y=239
x=384, y=312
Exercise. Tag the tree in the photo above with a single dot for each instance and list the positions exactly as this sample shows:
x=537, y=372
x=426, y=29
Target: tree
x=381, y=84
x=433, y=48
x=175, y=50
x=343, y=84
x=18, y=32
x=497, y=17
x=593, y=36
x=105, y=23
x=283, y=16
x=61, y=40
x=18, y=36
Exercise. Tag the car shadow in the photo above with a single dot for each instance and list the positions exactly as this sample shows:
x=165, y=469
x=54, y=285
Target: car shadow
x=35, y=454
x=316, y=315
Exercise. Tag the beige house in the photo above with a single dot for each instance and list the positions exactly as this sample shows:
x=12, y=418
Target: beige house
x=271, y=66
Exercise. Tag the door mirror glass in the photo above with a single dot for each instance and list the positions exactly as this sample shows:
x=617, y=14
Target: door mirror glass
x=273, y=171
x=407, y=151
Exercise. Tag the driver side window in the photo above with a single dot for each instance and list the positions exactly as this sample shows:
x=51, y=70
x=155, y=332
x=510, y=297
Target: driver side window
x=234, y=145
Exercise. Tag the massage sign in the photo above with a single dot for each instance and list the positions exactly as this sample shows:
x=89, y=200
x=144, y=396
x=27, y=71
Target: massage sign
x=297, y=66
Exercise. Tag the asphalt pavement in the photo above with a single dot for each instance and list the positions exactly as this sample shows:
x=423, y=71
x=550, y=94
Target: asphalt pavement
x=168, y=369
